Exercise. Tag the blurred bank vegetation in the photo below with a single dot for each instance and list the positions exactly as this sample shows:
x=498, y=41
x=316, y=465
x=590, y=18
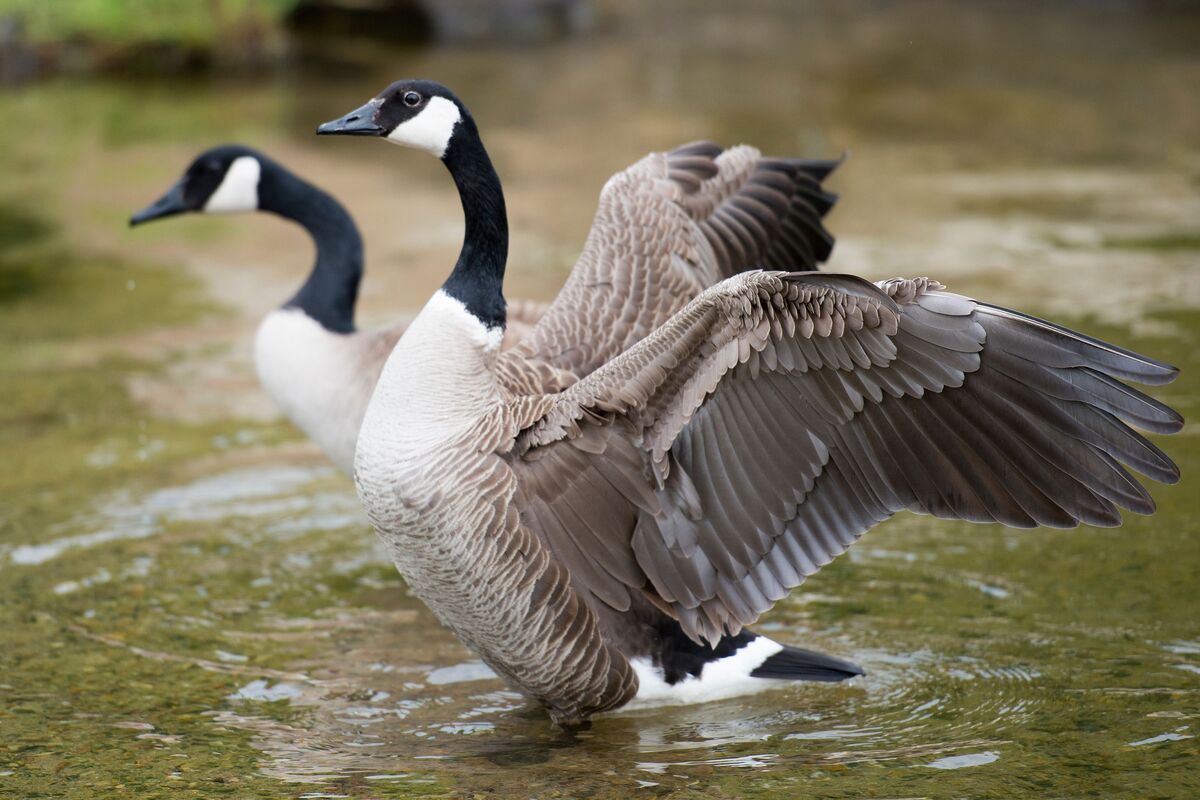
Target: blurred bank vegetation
x=131, y=22
x=41, y=37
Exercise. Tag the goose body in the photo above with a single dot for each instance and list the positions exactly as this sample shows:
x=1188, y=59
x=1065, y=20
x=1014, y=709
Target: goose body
x=601, y=511
x=667, y=226
x=311, y=360
x=321, y=380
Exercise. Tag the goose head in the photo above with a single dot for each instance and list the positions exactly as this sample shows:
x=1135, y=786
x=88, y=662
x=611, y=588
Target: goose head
x=223, y=180
x=420, y=114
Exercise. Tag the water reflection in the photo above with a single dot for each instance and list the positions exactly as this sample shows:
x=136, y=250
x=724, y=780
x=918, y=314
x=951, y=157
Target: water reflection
x=384, y=713
x=1041, y=157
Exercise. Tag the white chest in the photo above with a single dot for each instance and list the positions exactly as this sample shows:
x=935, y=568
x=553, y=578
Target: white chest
x=435, y=391
x=316, y=379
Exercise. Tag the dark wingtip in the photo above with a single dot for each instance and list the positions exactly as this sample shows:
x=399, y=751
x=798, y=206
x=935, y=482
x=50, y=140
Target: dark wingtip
x=1168, y=373
x=820, y=168
x=701, y=147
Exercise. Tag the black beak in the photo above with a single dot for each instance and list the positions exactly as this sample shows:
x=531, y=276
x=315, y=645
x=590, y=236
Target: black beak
x=168, y=205
x=359, y=122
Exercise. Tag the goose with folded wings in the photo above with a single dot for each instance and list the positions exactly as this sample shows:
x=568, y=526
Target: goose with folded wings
x=318, y=368
x=605, y=537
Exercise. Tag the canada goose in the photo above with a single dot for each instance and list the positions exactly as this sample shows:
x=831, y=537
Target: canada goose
x=607, y=539
x=317, y=368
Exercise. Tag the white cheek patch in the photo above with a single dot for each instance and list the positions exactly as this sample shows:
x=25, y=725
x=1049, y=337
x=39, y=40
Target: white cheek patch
x=239, y=188
x=431, y=129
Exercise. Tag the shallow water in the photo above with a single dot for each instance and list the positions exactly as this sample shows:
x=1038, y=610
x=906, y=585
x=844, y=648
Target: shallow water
x=191, y=600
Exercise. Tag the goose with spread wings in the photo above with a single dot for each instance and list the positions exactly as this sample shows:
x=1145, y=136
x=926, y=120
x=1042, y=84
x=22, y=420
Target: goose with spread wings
x=605, y=538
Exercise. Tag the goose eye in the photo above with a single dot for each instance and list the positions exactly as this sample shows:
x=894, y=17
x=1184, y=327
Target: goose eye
x=411, y=99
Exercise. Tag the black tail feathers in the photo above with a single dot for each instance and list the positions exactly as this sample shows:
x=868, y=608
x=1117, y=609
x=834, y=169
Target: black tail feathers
x=795, y=664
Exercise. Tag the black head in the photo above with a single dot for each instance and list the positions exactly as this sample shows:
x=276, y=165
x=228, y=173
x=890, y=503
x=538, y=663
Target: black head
x=221, y=180
x=414, y=113
x=427, y=116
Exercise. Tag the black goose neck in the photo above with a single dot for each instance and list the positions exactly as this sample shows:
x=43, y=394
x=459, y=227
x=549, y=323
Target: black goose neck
x=329, y=293
x=478, y=276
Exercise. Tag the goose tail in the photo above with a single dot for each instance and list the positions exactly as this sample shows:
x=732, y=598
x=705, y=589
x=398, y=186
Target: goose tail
x=797, y=664
x=743, y=664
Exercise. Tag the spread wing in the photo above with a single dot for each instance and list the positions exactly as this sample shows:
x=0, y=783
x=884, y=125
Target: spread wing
x=767, y=425
x=668, y=227
x=523, y=316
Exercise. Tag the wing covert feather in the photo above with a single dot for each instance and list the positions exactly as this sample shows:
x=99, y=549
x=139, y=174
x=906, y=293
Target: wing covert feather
x=769, y=423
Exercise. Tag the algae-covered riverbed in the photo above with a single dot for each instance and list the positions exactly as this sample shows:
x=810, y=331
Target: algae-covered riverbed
x=191, y=603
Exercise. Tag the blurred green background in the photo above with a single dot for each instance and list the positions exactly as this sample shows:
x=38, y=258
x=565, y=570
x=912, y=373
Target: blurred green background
x=191, y=603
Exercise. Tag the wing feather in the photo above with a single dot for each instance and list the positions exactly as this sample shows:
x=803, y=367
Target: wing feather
x=666, y=228
x=778, y=416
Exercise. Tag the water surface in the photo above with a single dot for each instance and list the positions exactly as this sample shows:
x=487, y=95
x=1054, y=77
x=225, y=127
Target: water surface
x=192, y=602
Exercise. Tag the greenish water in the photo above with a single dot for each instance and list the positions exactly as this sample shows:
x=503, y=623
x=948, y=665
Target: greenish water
x=192, y=604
